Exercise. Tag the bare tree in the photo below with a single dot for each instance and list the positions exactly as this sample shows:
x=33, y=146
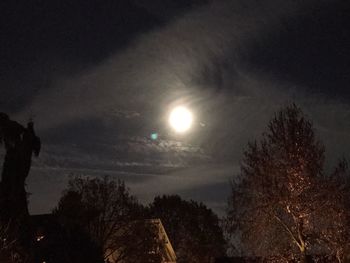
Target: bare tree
x=11, y=250
x=112, y=218
x=333, y=222
x=279, y=200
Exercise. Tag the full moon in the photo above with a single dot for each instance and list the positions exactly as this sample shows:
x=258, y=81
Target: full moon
x=180, y=119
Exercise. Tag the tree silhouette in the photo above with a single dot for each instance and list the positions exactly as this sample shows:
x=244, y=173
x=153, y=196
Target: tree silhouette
x=20, y=143
x=10, y=250
x=58, y=243
x=193, y=229
x=112, y=218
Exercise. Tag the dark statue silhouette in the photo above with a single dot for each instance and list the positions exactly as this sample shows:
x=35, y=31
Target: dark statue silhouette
x=20, y=143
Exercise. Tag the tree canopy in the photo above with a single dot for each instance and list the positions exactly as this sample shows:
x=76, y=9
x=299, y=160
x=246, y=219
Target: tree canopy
x=193, y=228
x=281, y=202
x=112, y=218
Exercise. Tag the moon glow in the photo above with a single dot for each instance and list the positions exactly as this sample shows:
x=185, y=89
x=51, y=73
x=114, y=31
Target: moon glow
x=180, y=119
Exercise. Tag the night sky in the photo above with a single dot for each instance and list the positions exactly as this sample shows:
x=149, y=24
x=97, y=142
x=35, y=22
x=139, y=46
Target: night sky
x=99, y=77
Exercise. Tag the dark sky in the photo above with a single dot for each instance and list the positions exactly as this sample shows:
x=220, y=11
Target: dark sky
x=99, y=76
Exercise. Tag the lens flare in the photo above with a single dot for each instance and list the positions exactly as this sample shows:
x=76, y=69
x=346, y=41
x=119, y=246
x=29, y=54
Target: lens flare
x=154, y=136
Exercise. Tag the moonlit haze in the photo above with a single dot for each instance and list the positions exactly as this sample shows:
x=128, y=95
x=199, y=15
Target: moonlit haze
x=166, y=94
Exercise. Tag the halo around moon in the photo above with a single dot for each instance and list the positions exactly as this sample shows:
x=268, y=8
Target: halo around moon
x=180, y=119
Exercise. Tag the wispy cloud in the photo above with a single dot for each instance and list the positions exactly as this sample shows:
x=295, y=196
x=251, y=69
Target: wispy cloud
x=195, y=60
x=162, y=65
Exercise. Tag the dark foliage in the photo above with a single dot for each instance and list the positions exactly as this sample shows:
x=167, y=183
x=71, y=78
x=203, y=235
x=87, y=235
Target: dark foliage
x=58, y=243
x=20, y=144
x=112, y=218
x=193, y=229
